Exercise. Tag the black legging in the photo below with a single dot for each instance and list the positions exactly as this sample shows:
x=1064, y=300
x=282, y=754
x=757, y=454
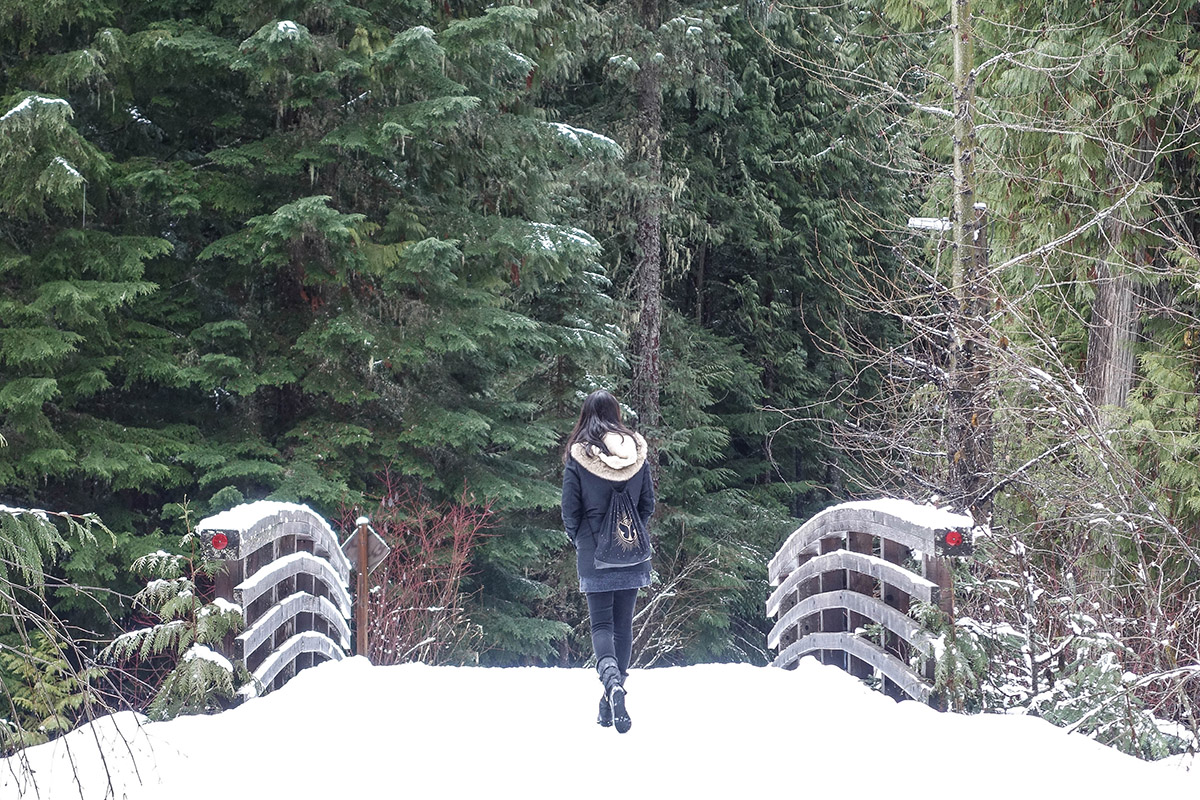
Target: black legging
x=611, y=615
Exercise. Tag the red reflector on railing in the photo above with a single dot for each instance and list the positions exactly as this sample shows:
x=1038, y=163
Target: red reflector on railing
x=954, y=538
x=220, y=541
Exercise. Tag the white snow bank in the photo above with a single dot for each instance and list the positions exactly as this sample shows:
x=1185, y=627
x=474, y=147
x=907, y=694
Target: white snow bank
x=347, y=729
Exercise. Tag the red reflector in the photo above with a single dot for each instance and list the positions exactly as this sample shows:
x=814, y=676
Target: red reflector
x=954, y=538
x=220, y=541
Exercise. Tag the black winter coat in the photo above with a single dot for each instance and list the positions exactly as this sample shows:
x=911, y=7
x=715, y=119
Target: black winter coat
x=586, y=492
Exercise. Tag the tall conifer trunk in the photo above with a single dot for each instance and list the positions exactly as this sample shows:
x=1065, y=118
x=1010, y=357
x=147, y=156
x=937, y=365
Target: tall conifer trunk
x=1113, y=324
x=647, y=367
x=969, y=405
x=1111, y=330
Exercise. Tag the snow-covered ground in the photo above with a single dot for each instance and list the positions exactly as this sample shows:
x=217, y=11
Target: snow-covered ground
x=352, y=730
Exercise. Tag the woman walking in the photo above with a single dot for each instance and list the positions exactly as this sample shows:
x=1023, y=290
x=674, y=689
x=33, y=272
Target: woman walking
x=602, y=456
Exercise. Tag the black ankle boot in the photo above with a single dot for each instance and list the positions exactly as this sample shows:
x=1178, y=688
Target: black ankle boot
x=604, y=718
x=614, y=693
x=620, y=715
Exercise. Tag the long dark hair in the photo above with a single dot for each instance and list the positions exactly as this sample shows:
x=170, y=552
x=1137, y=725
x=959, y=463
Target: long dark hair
x=601, y=414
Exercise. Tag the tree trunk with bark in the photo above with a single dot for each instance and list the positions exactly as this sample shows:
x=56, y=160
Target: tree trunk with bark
x=969, y=401
x=647, y=340
x=1112, y=328
x=1113, y=323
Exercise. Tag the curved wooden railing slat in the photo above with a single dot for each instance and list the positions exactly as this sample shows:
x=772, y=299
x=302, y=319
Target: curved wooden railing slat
x=269, y=577
x=847, y=570
x=287, y=609
x=911, y=583
x=891, y=667
x=901, y=624
x=304, y=643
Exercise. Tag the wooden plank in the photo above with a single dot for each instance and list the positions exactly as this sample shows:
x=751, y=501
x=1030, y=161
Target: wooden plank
x=285, y=655
x=265, y=579
x=877, y=568
x=938, y=570
x=297, y=604
x=891, y=667
x=901, y=624
x=832, y=616
x=228, y=575
x=858, y=542
x=788, y=558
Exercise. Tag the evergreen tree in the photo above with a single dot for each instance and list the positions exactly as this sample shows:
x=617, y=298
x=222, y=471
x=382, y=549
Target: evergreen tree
x=751, y=256
x=317, y=240
x=45, y=695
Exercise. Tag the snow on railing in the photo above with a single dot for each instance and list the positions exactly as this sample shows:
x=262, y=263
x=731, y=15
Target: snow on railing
x=285, y=570
x=844, y=589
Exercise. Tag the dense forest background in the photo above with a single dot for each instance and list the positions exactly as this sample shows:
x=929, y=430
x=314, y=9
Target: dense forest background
x=370, y=255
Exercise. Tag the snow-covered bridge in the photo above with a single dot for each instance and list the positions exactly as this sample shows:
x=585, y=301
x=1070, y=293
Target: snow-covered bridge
x=349, y=729
x=843, y=573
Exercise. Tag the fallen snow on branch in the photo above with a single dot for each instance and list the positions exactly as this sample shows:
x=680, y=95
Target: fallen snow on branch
x=30, y=101
x=579, y=136
x=206, y=654
x=62, y=162
x=551, y=237
x=16, y=512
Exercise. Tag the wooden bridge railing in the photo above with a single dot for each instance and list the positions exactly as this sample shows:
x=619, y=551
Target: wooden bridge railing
x=284, y=568
x=857, y=567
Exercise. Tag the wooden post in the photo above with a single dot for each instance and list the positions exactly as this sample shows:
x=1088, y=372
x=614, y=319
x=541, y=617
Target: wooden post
x=833, y=620
x=938, y=570
x=898, y=599
x=228, y=576
x=864, y=585
x=360, y=600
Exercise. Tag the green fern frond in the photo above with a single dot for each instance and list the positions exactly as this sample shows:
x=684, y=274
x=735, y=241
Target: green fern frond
x=202, y=682
x=44, y=692
x=160, y=564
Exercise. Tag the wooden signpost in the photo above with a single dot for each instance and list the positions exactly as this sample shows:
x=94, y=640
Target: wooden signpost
x=364, y=547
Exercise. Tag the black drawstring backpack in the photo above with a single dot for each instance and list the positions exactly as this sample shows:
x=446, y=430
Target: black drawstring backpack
x=622, y=540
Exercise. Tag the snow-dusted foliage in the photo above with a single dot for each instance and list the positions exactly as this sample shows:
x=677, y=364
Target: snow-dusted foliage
x=183, y=635
x=960, y=662
x=1058, y=656
x=47, y=685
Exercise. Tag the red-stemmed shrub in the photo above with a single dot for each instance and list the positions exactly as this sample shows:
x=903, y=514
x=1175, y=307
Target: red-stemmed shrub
x=417, y=609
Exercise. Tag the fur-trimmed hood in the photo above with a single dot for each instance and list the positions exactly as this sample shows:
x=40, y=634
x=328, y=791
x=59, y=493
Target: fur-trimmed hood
x=627, y=456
